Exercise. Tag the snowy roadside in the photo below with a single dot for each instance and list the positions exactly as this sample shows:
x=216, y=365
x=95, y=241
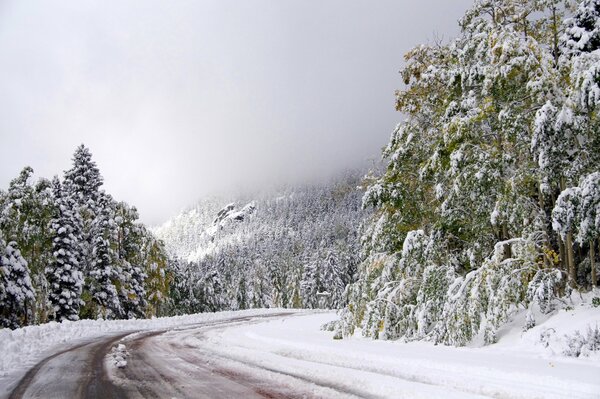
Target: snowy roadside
x=22, y=348
x=519, y=366
x=294, y=352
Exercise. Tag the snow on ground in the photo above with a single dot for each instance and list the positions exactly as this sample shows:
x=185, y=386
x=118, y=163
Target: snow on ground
x=519, y=366
x=21, y=349
x=292, y=351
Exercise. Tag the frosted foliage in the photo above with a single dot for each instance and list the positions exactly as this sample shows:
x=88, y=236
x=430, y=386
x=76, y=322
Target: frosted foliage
x=542, y=289
x=565, y=212
x=577, y=210
x=583, y=345
x=582, y=33
x=589, y=192
x=104, y=274
x=84, y=177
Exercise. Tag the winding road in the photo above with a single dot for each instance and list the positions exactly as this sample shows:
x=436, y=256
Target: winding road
x=284, y=354
x=159, y=365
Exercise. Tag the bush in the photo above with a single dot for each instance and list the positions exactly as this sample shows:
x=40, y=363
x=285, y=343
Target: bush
x=583, y=345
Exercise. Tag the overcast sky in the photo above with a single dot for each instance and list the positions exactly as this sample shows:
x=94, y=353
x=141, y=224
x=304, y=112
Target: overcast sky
x=182, y=99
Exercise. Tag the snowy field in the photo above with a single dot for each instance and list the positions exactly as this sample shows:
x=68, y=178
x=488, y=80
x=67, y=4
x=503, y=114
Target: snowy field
x=292, y=351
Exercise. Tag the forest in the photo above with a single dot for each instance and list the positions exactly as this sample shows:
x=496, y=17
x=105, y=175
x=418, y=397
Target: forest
x=296, y=247
x=69, y=250
x=491, y=198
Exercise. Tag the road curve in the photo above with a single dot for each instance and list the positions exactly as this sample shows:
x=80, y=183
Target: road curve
x=153, y=371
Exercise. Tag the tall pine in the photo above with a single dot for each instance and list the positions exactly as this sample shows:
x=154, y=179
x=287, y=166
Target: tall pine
x=65, y=279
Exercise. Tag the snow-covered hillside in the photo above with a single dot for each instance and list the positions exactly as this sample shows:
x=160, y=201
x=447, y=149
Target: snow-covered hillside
x=294, y=247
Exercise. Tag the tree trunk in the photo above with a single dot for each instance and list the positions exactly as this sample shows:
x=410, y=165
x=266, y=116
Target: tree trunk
x=570, y=256
x=506, y=251
x=571, y=260
x=555, y=39
x=593, y=264
x=562, y=255
x=546, y=244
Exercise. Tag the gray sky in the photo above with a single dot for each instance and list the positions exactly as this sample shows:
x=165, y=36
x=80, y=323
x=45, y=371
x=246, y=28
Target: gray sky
x=182, y=99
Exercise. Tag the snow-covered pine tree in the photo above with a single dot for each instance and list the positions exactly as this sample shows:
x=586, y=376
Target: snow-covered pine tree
x=26, y=210
x=82, y=183
x=582, y=34
x=15, y=286
x=105, y=273
x=84, y=177
x=65, y=279
x=577, y=211
x=157, y=269
x=129, y=234
x=311, y=284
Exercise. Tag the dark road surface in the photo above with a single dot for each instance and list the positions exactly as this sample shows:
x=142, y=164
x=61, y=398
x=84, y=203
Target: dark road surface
x=158, y=366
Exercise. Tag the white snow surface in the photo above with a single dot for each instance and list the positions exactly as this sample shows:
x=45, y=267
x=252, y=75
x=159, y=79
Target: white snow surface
x=518, y=366
x=293, y=351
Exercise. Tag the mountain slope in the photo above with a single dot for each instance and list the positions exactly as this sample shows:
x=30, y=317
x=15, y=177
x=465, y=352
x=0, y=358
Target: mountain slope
x=298, y=246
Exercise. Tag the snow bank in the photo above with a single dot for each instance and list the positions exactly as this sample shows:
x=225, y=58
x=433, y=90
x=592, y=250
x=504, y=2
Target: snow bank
x=519, y=366
x=552, y=333
x=22, y=348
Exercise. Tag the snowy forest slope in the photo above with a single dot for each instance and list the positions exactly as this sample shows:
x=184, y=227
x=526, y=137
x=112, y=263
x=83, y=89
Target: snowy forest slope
x=295, y=247
x=490, y=203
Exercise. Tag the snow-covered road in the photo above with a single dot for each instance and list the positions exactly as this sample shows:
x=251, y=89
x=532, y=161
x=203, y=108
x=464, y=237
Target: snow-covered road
x=280, y=354
x=155, y=369
x=76, y=372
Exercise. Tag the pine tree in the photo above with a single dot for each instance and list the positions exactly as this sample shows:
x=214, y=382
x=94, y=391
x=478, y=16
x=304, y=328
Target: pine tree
x=64, y=277
x=132, y=294
x=157, y=268
x=15, y=286
x=24, y=219
x=583, y=29
x=106, y=273
x=82, y=183
x=84, y=177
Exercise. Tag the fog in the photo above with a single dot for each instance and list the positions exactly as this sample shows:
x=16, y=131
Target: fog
x=182, y=99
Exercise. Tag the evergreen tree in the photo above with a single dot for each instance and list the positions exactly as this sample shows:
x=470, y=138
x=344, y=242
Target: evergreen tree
x=82, y=183
x=15, y=286
x=64, y=277
x=159, y=270
x=106, y=273
x=132, y=294
x=84, y=178
x=26, y=210
x=589, y=225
